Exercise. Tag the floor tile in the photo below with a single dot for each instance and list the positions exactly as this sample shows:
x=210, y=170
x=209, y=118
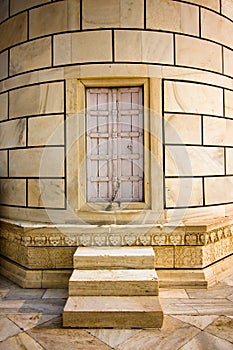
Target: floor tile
x=7, y=328
x=55, y=294
x=198, y=321
x=51, y=332
x=173, y=335
x=10, y=306
x=193, y=321
x=205, y=341
x=5, y=283
x=219, y=291
x=176, y=307
x=45, y=306
x=173, y=293
x=229, y=281
x=113, y=337
x=3, y=293
x=27, y=321
x=17, y=294
x=222, y=328
x=19, y=342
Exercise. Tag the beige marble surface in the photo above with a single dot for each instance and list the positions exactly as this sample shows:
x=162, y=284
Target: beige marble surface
x=42, y=161
x=48, y=19
x=46, y=130
x=228, y=57
x=229, y=161
x=217, y=131
x=78, y=47
x=198, y=53
x=215, y=27
x=3, y=64
x=13, y=191
x=184, y=327
x=4, y=10
x=33, y=55
x=120, y=13
x=3, y=163
x=227, y=8
x=109, y=257
x=212, y=4
x=17, y=6
x=184, y=17
x=3, y=106
x=46, y=193
x=218, y=190
x=13, y=133
x=183, y=192
x=178, y=126
x=194, y=160
x=228, y=95
x=137, y=46
x=192, y=98
x=37, y=99
x=113, y=282
x=13, y=31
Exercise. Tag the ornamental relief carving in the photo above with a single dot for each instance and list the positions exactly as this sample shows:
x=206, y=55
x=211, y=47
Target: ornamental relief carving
x=48, y=239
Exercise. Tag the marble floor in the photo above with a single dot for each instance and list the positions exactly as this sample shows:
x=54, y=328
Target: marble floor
x=195, y=319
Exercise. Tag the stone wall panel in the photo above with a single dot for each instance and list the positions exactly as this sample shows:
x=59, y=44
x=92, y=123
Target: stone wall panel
x=37, y=162
x=46, y=193
x=198, y=53
x=3, y=164
x=118, y=14
x=136, y=46
x=46, y=130
x=3, y=106
x=37, y=99
x=13, y=192
x=13, y=134
x=215, y=27
x=13, y=31
x=33, y=55
x=185, y=18
x=193, y=98
x=18, y=6
x=4, y=65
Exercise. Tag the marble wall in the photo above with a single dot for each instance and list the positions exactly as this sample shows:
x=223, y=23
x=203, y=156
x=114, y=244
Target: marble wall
x=46, y=46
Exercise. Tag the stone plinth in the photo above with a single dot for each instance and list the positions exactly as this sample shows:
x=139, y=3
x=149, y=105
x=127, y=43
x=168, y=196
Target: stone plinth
x=48, y=248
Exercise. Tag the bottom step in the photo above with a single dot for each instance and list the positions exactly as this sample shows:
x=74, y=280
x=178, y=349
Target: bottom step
x=113, y=312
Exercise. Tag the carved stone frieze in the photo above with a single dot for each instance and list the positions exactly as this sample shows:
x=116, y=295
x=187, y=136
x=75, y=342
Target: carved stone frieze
x=127, y=236
x=179, y=247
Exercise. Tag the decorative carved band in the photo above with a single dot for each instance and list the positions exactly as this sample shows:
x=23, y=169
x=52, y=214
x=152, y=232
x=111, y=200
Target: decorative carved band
x=61, y=239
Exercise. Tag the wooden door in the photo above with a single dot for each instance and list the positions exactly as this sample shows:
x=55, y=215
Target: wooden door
x=114, y=131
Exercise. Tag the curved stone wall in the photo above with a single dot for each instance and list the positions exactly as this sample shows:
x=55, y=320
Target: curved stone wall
x=184, y=51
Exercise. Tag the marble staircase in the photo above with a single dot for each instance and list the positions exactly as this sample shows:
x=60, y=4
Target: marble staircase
x=113, y=287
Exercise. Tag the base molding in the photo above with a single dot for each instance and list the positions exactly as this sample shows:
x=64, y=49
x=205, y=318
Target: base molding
x=196, y=278
x=168, y=278
x=27, y=278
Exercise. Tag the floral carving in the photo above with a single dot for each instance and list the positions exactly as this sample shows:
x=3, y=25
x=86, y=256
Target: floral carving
x=130, y=239
x=85, y=240
x=100, y=240
x=115, y=240
x=54, y=240
x=70, y=241
x=40, y=241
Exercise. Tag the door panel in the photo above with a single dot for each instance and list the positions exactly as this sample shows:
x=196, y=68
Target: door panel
x=114, y=121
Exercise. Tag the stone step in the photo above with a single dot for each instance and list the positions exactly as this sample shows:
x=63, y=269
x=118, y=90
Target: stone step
x=113, y=312
x=113, y=282
x=114, y=257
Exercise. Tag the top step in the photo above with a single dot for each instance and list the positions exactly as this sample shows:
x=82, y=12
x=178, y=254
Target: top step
x=114, y=258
